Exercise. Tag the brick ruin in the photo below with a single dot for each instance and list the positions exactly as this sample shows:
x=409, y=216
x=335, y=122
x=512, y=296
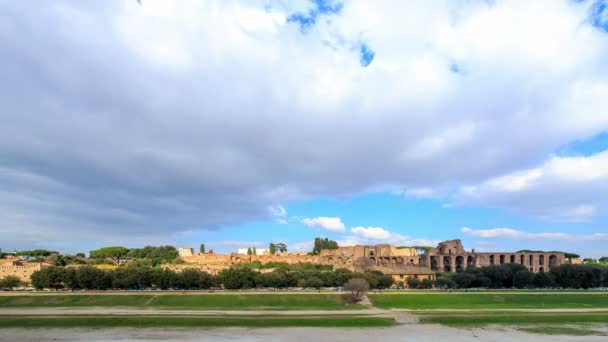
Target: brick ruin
x=450, y=256
x=400, y=263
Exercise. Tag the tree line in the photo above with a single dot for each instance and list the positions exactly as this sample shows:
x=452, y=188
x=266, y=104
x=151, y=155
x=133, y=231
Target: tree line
x=567, y=276
x=138, y=277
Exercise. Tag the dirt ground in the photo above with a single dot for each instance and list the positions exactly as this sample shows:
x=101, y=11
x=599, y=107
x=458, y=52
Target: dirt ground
x=412, y=332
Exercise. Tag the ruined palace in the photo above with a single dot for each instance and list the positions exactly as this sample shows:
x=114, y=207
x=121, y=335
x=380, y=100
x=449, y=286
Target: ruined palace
x=400, y=263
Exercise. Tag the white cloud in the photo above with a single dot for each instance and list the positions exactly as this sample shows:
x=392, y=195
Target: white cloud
x=570, y=188
x=510, y=233
x=376, y=235
x=373, y=233
x=330, y=224
x=279, y=213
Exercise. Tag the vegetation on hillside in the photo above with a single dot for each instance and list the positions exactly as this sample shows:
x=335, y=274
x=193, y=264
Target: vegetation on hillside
x=321, y=244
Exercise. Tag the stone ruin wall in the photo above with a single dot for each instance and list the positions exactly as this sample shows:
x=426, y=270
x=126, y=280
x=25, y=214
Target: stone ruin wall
x=448, y=256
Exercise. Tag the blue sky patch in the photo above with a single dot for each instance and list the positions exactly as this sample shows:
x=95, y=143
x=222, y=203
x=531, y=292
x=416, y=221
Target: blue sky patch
x=367, y=55
x=599, y=15
x=320, y=7
x=587, y=147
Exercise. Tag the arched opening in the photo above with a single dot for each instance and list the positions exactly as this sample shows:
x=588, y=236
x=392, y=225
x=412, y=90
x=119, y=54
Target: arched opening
x=541, y=269
x=552, y=261
x=522, y=259
x=459, y=263
x=330, y=259
x=371, y=253
x=447, y=264
x=541, y=260
x=512, y=259
x=434, y=264
x=372, y=260
x=470, y=261
x=339, y=260
x=492, y=261
x=531, y=269
x=502, y=259
x=531, y=260
x=395, y=261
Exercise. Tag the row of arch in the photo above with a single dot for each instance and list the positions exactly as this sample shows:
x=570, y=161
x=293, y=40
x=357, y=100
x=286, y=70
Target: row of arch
x=393, y=260
x=462, y=262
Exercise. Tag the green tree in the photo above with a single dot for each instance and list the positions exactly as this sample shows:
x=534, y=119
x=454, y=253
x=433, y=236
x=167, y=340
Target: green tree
x=202, y=249
x=571, y=256
x=155, y=255
x=413, y=283
x=313, y=282
x=115, y=253
x=238, y=278
x=321, y=244
x=249, y=251
x=603, y=260
x=523, y=279
x=543, y=280
x=426, y=283
x=10, y=282
x=48, y=278
x=254, y=251
x=273, y=248
x=281, y=247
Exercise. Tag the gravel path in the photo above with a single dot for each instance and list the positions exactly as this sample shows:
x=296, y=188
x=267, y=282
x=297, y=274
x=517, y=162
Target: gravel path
x=411, y=332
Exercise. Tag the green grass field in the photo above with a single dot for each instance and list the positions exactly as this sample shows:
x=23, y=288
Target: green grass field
x=474, y=301
x=515, y=319
x=193, y=302
x=191, y=322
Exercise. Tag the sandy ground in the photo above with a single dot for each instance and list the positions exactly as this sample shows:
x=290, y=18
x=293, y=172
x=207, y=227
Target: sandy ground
x=412, y=332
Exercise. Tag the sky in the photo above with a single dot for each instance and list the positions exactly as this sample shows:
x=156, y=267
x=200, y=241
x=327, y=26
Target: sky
x=240, y=123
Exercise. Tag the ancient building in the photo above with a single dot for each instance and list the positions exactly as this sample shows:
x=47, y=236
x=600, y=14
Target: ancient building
x=185, y=251
x=450, y=256
x=14, y=266
x=400, y=263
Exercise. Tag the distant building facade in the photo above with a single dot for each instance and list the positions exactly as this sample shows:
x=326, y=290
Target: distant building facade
x=258, y=251
x=15, y=266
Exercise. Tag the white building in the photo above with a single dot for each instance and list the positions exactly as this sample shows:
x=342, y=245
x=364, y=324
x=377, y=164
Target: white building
x=259, y=251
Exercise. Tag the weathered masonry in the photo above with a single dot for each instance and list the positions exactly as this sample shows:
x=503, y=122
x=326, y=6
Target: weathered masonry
x=450, y=256
x=400, y=263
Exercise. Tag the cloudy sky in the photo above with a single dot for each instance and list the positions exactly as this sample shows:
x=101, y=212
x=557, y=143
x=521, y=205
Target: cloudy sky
x=236, y=124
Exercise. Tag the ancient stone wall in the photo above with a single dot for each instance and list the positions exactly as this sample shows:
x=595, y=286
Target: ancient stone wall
x=450, y=256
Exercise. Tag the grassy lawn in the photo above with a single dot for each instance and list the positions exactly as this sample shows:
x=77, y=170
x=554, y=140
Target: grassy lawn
x=515, y=319
x=491, y=301
x=191, y=322
x=201, y=302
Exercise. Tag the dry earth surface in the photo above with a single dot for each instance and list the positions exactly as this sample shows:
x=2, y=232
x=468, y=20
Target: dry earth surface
x=412, y=332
